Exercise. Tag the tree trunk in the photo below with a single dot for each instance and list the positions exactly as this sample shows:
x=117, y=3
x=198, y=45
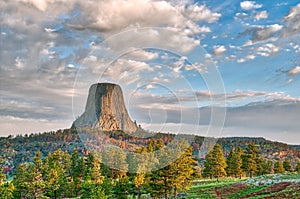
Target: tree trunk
x=175, y=192
x=139, y=192
x=166, y=192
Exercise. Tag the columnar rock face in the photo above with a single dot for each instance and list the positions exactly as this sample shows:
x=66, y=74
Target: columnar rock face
x=105, y=110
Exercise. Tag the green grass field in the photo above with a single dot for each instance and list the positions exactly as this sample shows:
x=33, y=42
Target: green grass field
x=269, y=186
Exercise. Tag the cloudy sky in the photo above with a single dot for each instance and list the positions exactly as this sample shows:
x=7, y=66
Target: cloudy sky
x=202, y=67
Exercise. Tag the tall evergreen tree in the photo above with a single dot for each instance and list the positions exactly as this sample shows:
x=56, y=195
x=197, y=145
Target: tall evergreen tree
x=2, y=175
x=37, y=184
x=297, y=168
x=230, y=161
x=267, y=167
x=55, y=173
x=6, y=189
x=207, y=171
x=218, y=162
x=184, y=171
x=21, y=181
x=238, y=162
x=177, y=175
x=278, y=167
x=234, y=162
x=251, y=160
x=144, y=161
x=287, y=165
x=115, y=161
x=77, y=172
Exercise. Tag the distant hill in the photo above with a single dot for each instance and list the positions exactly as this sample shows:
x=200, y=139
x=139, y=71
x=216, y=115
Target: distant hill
x=17, y=149
x=295, y=147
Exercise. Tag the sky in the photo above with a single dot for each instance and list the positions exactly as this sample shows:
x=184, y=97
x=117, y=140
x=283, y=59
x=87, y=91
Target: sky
x=213, y=68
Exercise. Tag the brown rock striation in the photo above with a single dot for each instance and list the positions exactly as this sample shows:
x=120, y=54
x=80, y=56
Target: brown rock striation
x=105, y=110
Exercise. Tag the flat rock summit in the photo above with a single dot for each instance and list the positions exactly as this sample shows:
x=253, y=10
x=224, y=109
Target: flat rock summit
x=105, y=110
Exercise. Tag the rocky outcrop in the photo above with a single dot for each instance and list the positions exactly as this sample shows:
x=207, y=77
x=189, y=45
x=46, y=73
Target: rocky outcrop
x=105, y=110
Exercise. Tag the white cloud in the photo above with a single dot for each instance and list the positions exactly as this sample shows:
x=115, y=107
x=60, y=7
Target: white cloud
x=242, y=60
x=250, y=56
x=201, y=13
x=19, y=63
x=126, y=71
x=240, y=15
x=219, y=50
x=292, y=21
x=143, y=55
x=262, y=33
x=294, y=71
x=261, y=15
x=250, y=5
x=267, y=50
x=267, y=31
x=15, y=125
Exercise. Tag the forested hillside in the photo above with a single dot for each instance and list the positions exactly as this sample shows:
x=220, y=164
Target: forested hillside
x=17, y=149
x=116, y=174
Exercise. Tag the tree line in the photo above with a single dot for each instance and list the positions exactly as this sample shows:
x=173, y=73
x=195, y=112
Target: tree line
x=241, y=163
x=155, y=170
x=114, y=174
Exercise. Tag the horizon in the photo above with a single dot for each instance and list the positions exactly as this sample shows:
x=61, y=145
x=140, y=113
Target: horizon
x=216, y=69
x=170, y=133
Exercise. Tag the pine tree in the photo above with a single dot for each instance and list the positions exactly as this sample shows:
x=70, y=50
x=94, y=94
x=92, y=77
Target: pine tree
x=267, y=167
x=234, y=162
x=278, y=167
x=21, y=181
x=251, y=160
x=55, y=173
x=115, y=159
x=77, y=172
x=160, y=181
x=287, y=165
x=230, y=161
x=297, y=169
x=143, y=161
x=6, y=191
x=2, y=175
x=184, y=170
x=207, y=171
x=218, y=162
x=93, y=179
x=37, y=183
x=238, y=162
x=178, y=173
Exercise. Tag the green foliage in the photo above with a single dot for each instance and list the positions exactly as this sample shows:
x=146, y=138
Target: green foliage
x=83, y=174
x=6, y=191
x=287, y=165
x=278, y=167
x=267, y=167
x=218, y=162
x=177, y=175
x=207, y=171
x=297, y=169
x=115, y=159
x=251, y=160
x=234, y=163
